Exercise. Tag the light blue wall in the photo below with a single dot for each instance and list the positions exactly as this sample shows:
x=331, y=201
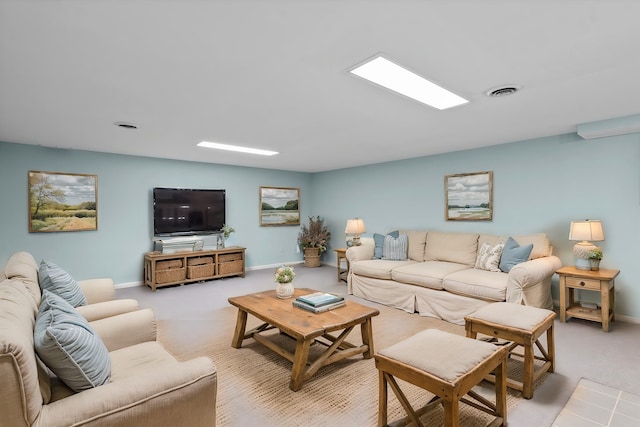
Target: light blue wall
x=539, y=186
x=125, y=230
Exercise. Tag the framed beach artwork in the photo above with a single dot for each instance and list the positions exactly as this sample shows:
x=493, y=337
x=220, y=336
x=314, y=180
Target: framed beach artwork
x=62, y=202
x=469, y=196
x=279, y=206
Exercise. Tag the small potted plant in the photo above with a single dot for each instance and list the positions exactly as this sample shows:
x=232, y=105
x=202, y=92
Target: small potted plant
x=313, y=240
x=284, y=276
x=595, y=255
x=225, y=232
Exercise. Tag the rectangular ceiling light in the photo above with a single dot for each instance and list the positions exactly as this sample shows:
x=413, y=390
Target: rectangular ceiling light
x=385, y=73
x=237, y=148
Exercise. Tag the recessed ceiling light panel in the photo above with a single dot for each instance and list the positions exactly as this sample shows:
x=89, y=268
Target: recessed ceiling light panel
x=237, y=148
x=390, y=75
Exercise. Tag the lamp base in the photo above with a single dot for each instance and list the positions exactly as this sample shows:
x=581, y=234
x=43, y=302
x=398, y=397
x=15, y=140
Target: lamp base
x=581, y=253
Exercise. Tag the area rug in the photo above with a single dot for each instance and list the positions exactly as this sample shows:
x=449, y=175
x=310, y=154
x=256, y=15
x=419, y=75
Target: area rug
x=253, y=381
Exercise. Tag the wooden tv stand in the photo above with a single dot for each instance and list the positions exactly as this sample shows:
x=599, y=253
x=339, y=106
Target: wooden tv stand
x=194, y=266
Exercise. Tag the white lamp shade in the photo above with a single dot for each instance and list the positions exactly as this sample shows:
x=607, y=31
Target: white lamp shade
x=587, y=230
x=355, y=226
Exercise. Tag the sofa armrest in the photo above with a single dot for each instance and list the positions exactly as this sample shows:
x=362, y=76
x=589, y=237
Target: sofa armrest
x=185, y=394
x=529, y=283
x=359, y=253
x=105, y=309
x=126, y=329
x=97, y=290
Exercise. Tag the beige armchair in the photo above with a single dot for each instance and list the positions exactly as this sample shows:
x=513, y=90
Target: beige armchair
x=147, y=385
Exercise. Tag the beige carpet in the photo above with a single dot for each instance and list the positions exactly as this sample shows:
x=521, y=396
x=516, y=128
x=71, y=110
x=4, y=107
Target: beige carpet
x=253, y=382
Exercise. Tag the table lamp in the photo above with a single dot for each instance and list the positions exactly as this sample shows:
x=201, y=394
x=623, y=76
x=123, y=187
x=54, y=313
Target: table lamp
x=585, y=232
x=356, y=227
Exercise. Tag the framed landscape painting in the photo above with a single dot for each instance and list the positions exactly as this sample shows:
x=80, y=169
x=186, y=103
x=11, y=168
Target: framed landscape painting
x=62, y=202
x=469, y=196
x=279, y=206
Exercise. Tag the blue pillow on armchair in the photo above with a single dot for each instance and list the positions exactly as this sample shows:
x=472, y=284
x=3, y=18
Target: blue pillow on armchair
x=513, y=254
x=378, y=239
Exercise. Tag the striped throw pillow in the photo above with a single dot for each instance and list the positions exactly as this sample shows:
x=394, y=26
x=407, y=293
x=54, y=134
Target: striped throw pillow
x=395, y=248
x=67, y=345
x=58, y=281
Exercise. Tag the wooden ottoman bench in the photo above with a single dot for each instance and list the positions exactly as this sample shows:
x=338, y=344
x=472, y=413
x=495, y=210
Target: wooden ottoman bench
x=446, y=365
x=522, y=325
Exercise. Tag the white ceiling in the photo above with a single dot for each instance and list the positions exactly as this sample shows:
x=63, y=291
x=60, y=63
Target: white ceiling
x=272, y=74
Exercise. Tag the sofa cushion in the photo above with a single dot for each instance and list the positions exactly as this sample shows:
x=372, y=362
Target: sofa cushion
x=378, y=240
x=58, y=281
x=476, y=283
x=460, y=248
x=67, y=344
x=541, y=244
x=513, y=254
x=428, y=274
x=377, y=268
x=395, y=248
x=489, y=257
x=417, y=242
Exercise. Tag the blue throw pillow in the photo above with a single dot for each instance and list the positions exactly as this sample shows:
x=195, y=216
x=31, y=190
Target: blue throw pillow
x=513, y=254
x=58, y=281
x=67, y=345
x=378, y=239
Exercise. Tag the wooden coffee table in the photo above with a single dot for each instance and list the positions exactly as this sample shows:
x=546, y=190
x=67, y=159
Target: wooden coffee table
x=306, y=328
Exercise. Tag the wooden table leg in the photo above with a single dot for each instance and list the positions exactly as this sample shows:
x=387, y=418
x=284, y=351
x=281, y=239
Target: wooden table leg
x=604, y=297
x=366, y=330
x=299, y=364
x=241, y=325
x=563, y=299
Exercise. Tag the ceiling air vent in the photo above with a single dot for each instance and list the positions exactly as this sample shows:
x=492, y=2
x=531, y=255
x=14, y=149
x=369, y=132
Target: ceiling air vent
x=502, y=91
x=126, y=125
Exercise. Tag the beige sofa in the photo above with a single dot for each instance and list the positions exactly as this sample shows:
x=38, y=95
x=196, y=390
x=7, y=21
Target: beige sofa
x=147, y=386
x=439, y=278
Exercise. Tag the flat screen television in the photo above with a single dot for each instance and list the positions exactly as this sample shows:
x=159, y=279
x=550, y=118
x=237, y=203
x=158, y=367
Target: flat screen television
x=187, y=212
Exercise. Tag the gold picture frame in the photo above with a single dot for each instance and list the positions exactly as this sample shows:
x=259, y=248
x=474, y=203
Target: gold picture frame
x=279, y=206
x=62, y=202
x=469, y=196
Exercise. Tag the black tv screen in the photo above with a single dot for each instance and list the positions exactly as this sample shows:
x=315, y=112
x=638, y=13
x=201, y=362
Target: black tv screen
x=184, y=212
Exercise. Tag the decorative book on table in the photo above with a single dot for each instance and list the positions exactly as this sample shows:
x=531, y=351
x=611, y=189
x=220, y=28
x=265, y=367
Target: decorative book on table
x=319, y=299
x=320, y=309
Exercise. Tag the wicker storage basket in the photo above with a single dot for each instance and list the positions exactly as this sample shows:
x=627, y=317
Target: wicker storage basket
x=229, y=257
x=311, y=257
x=199, y=271
x=230, y=267
x=200, y=260
x=171, y=275
x=168, y=264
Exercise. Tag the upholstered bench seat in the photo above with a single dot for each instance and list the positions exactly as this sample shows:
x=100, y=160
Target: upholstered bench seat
x=522, y=326
x=446, y=365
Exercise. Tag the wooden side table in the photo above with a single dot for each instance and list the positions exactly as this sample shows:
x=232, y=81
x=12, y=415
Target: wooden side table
x=601, y=281
x=342, y=255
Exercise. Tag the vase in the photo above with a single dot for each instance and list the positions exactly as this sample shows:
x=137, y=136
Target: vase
x=595, y=264
x=284, y=290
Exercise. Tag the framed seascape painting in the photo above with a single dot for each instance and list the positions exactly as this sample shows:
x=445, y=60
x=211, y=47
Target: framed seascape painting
x=62, y=202
x=469, y=196
x=279, y=206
